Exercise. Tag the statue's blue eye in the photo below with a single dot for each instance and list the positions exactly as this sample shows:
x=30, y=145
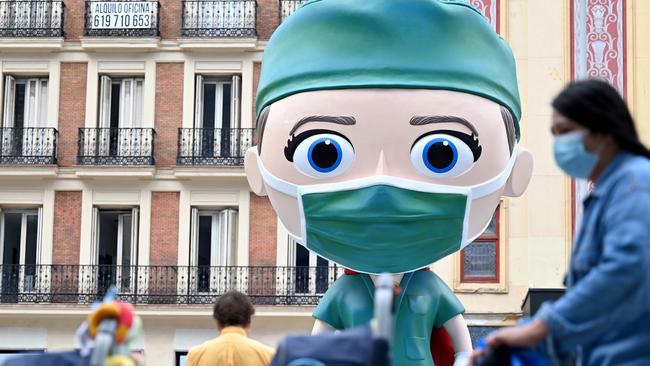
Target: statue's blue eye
x=441, y=156
x=323, y=155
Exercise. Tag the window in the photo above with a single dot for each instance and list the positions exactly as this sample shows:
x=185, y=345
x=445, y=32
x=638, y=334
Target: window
x=288, y=7
x=26, y=14
x=181, y=358
x=25, y=102
x=115, y=248
x=207, y=15
x=120, y=116
x=216, y=116
x=213, y=249
x=20, y=255
x=120, y=104
x=24, y=109
x=480, y=259
x=311, y=274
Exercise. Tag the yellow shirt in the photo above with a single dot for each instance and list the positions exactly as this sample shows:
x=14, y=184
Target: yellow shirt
x=231, y=348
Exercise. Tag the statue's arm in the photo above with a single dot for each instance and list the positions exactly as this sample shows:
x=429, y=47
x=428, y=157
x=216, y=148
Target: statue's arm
x=321, y=327
x=460, y=339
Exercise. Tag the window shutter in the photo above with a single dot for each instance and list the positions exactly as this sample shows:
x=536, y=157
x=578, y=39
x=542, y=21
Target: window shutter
x=197, y=134
x=198, y=102
x=194, y=237
x=138, y=102
x=218, y=105
x=135, y=230
x=31, y=103
x=94, y=240
x=126, y=103
x=105, y=98
x=39, y=235
x=42, y=104
x=9, y=102
x=236, y=104
x=2, y=233
x=228, y=219
x=291, y=248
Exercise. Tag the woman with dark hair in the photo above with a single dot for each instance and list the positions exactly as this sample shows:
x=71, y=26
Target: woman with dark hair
x=604, y=317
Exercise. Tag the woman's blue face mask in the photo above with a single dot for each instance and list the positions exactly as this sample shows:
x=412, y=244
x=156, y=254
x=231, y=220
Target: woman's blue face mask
x=572, y=156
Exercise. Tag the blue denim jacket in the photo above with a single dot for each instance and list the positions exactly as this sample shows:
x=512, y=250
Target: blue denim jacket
x=605, y=315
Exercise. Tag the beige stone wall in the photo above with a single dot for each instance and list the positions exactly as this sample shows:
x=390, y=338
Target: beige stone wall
x=638, y=60
x=163, y=334
x=537, y=225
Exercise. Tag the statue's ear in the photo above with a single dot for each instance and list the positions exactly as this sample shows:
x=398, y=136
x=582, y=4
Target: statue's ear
x=522, y=171
x=252, y=169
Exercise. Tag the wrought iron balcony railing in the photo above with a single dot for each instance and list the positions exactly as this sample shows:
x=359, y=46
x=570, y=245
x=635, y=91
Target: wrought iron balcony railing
x=83, y=284
x=116, y=146
x=28, y=146
x=208, y=18
x=215, y=147
x=130, y=18
x=31, y=18
x=287, y=7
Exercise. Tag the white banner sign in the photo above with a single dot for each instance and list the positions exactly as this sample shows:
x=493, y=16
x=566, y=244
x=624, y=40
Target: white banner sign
x=121, y=15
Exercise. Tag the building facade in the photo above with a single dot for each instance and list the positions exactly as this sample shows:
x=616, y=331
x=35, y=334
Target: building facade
x=124, y=126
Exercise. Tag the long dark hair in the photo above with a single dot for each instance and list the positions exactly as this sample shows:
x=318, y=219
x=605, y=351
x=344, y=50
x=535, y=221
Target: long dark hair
x=599, y=107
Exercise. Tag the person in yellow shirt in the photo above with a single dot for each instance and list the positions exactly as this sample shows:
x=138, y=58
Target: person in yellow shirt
x=232, y=311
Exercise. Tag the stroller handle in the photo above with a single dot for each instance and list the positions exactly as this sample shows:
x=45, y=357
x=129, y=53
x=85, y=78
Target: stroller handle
x=384, y=308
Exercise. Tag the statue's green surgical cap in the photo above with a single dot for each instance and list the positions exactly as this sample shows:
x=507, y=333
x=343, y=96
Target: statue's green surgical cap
x=402, y=44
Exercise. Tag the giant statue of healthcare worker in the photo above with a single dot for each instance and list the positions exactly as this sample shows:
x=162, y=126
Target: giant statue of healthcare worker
x=387, y=133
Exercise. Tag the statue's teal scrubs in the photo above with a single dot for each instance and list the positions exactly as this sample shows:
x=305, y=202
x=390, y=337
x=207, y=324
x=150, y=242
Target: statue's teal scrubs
x=425, y=302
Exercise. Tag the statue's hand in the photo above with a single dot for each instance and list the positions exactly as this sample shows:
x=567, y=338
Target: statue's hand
x=462, y=358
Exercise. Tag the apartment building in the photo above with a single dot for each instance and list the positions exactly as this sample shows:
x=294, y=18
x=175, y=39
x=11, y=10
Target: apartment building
x=124, y=126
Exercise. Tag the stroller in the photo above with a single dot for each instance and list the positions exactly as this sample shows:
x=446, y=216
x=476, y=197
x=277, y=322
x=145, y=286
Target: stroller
x=363, y=346
x=104, y=339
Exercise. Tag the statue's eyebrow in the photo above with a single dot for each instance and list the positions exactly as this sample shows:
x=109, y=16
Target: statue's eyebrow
x=339, y=120
x=425, y=120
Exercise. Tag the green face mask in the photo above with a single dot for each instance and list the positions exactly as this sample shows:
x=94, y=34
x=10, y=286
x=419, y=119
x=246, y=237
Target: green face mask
x=382, y=223
x=384, y=228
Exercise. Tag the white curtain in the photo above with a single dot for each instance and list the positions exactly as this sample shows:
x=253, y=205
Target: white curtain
x=101, y=145
x=9, y=101
x=130, y=140
x=35, y=113
x=194, y=137
x=227, y=239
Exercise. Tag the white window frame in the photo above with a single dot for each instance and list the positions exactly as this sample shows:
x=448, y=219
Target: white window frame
x=131, y=107
x=223, y=245
x=313, y=266
x=35, y=105
x=9, y=104
x=488, y=287
x=23, y=245
x=95, y=238
x=199, y=100
x=34, y=113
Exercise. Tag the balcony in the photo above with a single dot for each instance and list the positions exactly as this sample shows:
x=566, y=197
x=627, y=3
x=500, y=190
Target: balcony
x=287, y=7
x=31, y=18
x=28, y=146
x=213, y=147
x=122, y=19
x=205, y=18
x=84, y=284
x=116, y=146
